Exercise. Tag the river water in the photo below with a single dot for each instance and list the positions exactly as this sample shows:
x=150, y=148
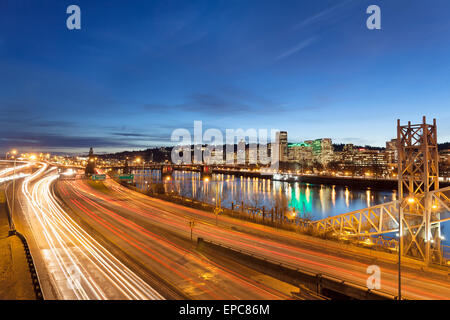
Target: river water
x=314, y=201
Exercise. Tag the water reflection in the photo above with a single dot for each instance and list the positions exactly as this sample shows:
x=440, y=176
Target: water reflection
x=308, y=200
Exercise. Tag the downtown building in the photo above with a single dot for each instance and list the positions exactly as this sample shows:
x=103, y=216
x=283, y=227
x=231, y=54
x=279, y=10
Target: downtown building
x=301, y=152
x=322, y=150
x=282, y=139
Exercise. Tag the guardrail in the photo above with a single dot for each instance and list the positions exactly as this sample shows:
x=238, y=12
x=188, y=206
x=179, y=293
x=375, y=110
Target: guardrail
x=28, y=255
x=320, y=283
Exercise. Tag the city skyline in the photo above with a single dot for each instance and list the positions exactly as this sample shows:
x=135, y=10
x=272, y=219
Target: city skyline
x=132, y=75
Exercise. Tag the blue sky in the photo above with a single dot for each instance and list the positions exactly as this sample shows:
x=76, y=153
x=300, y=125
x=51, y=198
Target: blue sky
x=138, y=70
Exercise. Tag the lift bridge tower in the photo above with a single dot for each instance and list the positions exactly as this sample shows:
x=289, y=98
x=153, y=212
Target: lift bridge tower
x=416, y=214
x=418, y=180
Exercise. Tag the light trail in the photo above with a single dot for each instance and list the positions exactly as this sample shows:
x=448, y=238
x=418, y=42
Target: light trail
x=168, y=245
x=352, y=269
x=17, y=176
x=11, y=169
x=79, y=266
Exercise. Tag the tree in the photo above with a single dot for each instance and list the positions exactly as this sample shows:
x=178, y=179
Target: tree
x=318, y=166
x=90, y=167
x=334, y=166
x=126, y=169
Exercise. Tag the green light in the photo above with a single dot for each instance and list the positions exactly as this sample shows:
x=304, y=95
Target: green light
x=301, y=144
x=300, y=202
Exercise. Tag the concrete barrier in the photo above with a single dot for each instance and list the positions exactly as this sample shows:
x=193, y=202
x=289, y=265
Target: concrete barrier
x=29, y=257
x=321, y=284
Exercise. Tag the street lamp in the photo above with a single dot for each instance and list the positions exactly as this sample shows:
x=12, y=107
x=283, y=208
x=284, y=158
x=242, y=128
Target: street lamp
x=139, y=160
x=14, y=152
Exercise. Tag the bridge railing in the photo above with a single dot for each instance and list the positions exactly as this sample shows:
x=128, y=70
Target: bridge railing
x=375, y=220
x=440, y=201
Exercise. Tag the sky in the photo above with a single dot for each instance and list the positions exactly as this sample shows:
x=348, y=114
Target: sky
x=138, y=70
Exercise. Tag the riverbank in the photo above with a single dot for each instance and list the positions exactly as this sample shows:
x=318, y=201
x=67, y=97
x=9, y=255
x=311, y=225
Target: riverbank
x=354, y=182
x=15, y=277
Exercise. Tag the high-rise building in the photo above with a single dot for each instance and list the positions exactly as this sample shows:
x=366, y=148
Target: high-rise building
x=367, y=158
x=322, y=150
x=282, y=139
x=300, y=152
x=391, y=152
x=348, y=153
x=240, y=153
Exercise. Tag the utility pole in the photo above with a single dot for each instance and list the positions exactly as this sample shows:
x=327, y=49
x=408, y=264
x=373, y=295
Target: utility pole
x=191, y=225
x=13, y=195
x=218, y=208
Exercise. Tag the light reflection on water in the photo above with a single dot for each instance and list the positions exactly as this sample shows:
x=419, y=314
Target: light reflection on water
x=314, y=201
x=318, y=201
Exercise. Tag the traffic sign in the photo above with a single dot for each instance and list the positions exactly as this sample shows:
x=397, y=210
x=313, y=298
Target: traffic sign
x=126, y=177
x=98, y=177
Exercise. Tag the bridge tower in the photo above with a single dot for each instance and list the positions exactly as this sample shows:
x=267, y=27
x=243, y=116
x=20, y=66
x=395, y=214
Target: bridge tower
x=418, y=175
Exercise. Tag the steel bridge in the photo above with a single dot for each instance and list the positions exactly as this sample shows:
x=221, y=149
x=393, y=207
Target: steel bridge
x=416, y=216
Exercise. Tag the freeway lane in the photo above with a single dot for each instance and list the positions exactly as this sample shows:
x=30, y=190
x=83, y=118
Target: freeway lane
x=144, y=210
x=69, y=262
x=168, y=255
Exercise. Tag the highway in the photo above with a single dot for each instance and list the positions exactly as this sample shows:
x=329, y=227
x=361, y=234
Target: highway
x=70, y=263
x=168, y=255
x=157, y=228
x=7, y=170
x=79, y=261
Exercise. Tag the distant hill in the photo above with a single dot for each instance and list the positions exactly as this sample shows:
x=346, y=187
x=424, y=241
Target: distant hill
x=443, y=146
x=340, y=146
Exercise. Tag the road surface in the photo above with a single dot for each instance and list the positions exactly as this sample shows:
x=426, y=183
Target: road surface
x=70, y=263
x=118, y=209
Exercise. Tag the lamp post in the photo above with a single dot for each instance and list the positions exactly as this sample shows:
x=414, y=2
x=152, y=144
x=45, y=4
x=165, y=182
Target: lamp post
x=14, y=152
x=218, y=207
x=139, y=160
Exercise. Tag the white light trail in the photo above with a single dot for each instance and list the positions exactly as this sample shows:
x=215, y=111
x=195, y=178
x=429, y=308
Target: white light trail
x=17, y=176
x=11, y=169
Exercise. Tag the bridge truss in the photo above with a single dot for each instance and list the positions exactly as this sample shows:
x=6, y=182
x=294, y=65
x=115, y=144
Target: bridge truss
x=421, y=206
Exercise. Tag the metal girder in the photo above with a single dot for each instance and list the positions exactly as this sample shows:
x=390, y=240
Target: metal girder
x=421, y=205
x=376, y=220
x=418, y=176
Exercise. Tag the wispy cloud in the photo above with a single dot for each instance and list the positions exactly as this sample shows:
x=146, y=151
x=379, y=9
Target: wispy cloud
x=226, y=101
x=302, y=45
x=325, y=14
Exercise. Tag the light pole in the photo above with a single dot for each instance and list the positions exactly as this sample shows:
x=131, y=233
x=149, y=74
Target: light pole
x=191, y=225
x=14, y=152
x=218, y=208
x=138, y=160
